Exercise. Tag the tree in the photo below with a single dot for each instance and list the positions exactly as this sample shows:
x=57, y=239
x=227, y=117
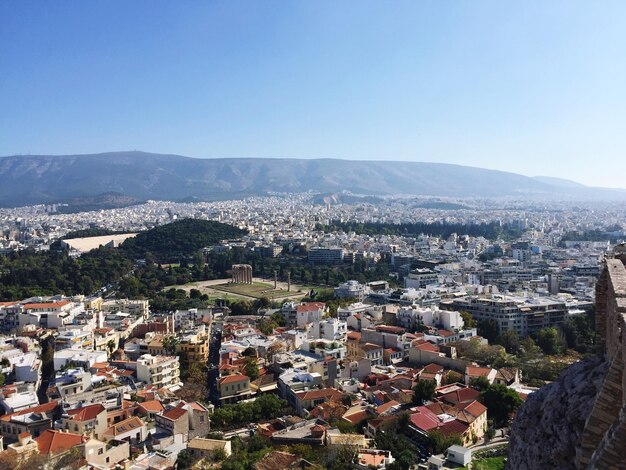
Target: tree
x=110, y=346
x=510, y=340
x=488, y=329
x=266, y=326
x=278, y=318
x=549, y=341
x=501, y=402
x=480, y=383
x=169, y=345
x=468, y=320
x=441, y=441
x=452, y=377
x=249, y=352
x=424, y=391
x=251, y=368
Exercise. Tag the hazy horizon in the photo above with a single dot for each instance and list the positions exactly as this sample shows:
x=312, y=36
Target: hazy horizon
x=533, y=89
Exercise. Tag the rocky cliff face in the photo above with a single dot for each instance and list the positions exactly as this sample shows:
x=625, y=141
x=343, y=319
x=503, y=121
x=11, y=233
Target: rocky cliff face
x=549, y=426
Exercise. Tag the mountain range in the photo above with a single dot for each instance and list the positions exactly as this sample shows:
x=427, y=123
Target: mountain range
x=134, y=176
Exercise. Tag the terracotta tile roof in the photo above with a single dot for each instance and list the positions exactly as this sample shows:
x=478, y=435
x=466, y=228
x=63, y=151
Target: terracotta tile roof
x=370, y=347
x=61, y=303
x=426, y=346
x=196, y=406
x=386, y=407
x=390, y=329
x=124, y=426
x=45, y=408
x=475, y=408
x=354, y=335
x=445, y=333
x=276, y=460
x=358, y=417
x=461, y=396
x=433, y=368
x=86, y=413
x=100, y=365
x=453, y=427
x=151, y=406
x=478, y=371
x=233, y=378
x=55, y=442
x=424, y=418
x=328, y=393
x=175, y=414
x=310, y=307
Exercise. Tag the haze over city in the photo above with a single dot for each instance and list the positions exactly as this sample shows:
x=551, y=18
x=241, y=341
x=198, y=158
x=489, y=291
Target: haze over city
x=534, y=88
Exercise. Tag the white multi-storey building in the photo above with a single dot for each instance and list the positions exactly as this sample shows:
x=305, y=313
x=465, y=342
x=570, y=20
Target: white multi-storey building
x=162, y=371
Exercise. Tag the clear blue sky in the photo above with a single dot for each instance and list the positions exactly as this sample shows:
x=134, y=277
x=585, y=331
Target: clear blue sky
x=535, y=87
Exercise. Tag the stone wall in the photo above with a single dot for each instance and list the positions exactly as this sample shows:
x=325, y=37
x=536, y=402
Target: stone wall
x=603, y=442
x=579, y=421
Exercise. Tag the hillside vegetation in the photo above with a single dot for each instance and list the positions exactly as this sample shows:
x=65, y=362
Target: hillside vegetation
x=180, y=239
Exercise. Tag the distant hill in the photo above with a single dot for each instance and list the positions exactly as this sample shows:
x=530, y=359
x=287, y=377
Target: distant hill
x=32, y=179
x=558, y=182
x=179, y=239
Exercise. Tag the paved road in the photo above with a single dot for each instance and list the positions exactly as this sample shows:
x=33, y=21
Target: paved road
x=214, y=361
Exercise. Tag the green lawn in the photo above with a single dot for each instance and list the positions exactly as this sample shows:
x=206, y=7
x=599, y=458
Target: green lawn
x=489, y=463
x=256, y=290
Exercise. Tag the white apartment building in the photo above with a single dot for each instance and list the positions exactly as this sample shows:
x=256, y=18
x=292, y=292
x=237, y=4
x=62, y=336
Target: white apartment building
x=134, y=307
x=420, y=278
x=49, y=314
x=351, y=290
x=331, y=329
x=413, y=315
x=309, y=312
x=162, y=371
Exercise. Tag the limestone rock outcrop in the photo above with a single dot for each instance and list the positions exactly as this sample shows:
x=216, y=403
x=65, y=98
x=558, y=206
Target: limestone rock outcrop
x=549, y=426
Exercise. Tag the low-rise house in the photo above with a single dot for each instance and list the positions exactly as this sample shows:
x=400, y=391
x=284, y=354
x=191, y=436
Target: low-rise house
x=308, y=400
x=32, y=421
x=477, y=372
x=234, y=388
x=132, y=430
x=150, y=408
x=283, y=460
x=106, y=455
x=311, y=432
x=202, y=448
x=373, y=459
x=459, y=455
x=508, y=376
x=90, y=420
x=54, y=443
x=23, y=448
x=18, y=396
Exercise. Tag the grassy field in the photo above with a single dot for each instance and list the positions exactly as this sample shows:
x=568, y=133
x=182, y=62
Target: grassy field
x=489, y=463
x=256, y=290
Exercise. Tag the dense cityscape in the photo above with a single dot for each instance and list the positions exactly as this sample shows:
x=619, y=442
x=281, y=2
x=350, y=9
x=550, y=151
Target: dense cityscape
x=387, y=333
x=312, y=235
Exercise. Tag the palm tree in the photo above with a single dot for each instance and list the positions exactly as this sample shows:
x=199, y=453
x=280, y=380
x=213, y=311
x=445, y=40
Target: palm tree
x=169, y=344
x=111, y=347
